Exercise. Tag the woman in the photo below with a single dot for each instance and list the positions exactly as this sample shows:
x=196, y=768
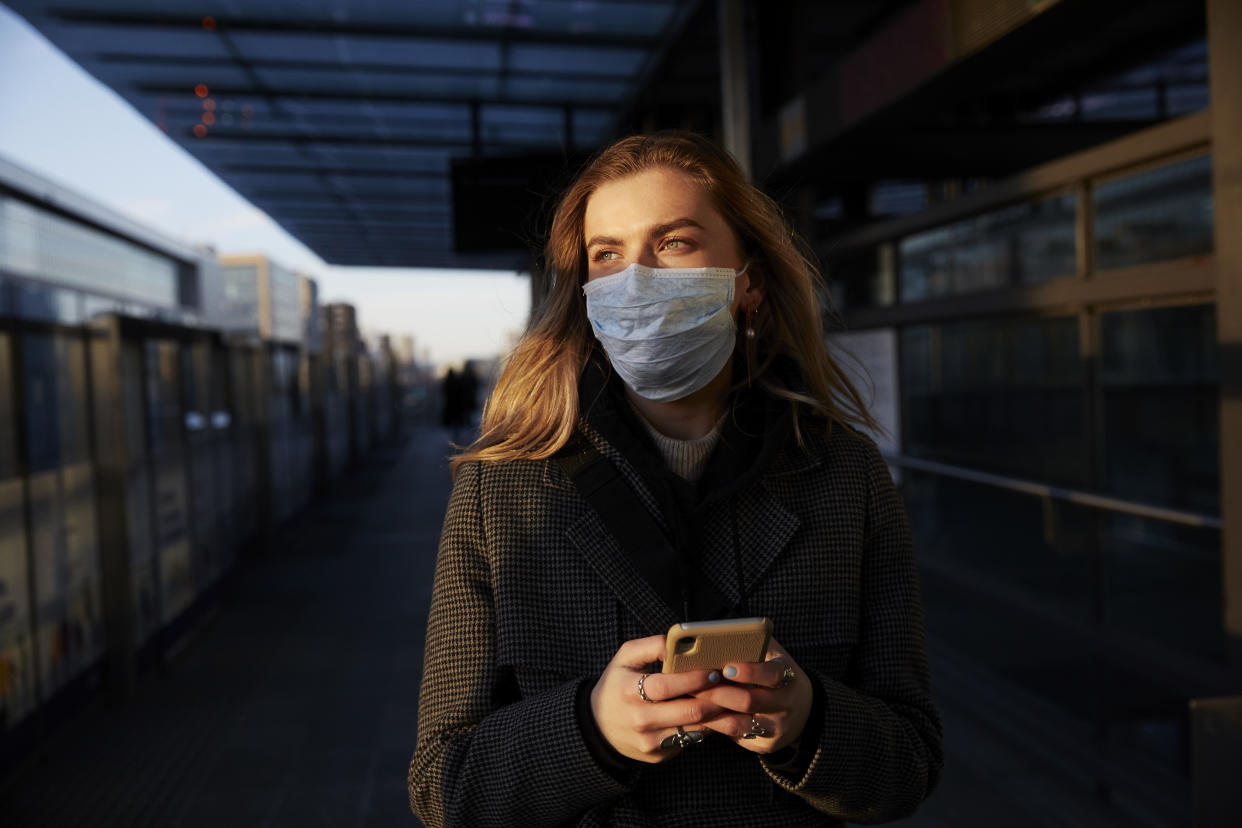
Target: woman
x=671, y=441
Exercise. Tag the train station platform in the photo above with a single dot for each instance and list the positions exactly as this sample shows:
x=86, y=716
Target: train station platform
x=295, y=703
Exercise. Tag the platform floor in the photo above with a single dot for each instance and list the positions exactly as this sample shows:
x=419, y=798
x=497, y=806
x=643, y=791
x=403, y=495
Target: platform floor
x=295, y=703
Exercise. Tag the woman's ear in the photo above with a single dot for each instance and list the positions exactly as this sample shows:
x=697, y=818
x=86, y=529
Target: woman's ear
x=752, y=296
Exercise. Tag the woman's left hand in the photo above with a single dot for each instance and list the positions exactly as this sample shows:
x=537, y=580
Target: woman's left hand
x=765, y=716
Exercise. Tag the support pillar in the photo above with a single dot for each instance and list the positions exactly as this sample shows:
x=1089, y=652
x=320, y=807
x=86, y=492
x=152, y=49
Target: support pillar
x=735, y=81
x=1224, y=25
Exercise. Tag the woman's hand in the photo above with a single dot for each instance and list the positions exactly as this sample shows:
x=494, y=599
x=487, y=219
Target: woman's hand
x=636, y=728
x=760, y=714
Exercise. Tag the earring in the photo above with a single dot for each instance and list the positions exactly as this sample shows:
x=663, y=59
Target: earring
x=750, y=341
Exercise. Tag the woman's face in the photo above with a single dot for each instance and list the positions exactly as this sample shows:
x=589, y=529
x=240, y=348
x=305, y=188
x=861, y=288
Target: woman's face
x=660, y=218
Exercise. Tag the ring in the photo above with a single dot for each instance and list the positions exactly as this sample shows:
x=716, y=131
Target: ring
x=641, y=694
x=756, y=730
x=681, y=739
x=787, y=677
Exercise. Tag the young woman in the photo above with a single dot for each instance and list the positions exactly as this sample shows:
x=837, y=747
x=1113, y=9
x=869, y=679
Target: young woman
x=672, y=441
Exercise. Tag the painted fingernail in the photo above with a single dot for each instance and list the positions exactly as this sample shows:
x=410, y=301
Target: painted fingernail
x=730, y=671
x=713, y=677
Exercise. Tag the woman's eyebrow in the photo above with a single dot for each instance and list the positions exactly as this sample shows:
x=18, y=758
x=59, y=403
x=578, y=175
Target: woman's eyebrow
x=657, y=231
x=606, y=240
x=676, y=224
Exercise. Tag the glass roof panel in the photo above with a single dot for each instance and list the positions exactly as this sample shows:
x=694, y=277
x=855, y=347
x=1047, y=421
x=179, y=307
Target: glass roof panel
x=591, y=128
x=412, y=158
x=584, y=91
x=140, y=40
x=227, y=153
x=352, y=83
x=525, y=136
x=309, y=181
x=563, y=15
x=500, y=114
x=342, y=49
x=591, y=60
x=418, y=189
x=252, y=108
x=129, y=75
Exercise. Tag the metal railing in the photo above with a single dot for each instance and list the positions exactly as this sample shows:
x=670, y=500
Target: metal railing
x=1043, y=490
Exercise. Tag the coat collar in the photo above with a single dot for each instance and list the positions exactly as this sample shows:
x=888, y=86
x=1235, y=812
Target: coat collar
x=736, y=506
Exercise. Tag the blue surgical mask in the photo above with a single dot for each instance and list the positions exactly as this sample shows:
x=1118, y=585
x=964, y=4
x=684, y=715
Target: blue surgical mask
x=667, y=331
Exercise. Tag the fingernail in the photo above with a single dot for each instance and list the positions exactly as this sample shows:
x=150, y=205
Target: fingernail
x=730, y=671
x=713, y=677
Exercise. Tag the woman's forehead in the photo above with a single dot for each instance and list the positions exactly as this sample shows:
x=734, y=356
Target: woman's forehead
x=652, y=197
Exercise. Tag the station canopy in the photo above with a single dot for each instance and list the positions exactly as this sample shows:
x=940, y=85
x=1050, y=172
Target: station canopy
x=380, y=132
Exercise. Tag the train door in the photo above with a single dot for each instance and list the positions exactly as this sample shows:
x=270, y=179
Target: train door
x=177, y=587
x=139, y=487
x=17, y=669
x=196, y=376
x=62, y=506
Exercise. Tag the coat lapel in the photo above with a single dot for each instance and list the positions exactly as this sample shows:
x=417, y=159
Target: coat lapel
x=765, y=523
x=615, y=568
x=765, y=527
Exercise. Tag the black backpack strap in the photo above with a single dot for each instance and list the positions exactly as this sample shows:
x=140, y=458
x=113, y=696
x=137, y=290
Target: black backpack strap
x=634, y=527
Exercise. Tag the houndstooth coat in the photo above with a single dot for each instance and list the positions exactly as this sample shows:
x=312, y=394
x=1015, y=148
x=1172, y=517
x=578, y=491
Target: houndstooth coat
x=533, y=596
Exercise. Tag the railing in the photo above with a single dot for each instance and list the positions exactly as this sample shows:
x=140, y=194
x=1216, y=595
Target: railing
x=1097, y=745
x=1043, y=490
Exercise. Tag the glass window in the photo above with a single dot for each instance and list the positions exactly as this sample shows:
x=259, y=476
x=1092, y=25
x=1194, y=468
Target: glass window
x=1156, y=215
x=975, y=393
x=46, y=303
x=40, y=245
x=1163, y=583
x=1028, y=242
x=898, y=198
x=863, y=278
x=42, y=387
x=1120, y=105
x=1159, y=397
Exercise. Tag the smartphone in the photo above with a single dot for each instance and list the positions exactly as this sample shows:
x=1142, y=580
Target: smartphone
x=710, y=645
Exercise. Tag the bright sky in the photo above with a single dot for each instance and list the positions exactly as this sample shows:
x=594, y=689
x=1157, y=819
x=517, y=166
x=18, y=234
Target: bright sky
x=59, y=122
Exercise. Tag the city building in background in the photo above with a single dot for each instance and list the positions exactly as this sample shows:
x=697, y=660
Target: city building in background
x=259, y=296
x=65, y=258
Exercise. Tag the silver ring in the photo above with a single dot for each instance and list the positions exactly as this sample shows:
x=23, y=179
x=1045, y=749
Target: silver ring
x=787, y=677
x=756, y=730
x=682, y=739
x=641, y=694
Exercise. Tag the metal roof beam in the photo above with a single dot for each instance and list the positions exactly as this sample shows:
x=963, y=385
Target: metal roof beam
x=438, y=205
x=192, y=61
x=337, y=28
x=382, y=97
x=368, y=140
x=373, y=172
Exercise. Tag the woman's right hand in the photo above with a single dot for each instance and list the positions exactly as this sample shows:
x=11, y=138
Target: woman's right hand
x=634, y=727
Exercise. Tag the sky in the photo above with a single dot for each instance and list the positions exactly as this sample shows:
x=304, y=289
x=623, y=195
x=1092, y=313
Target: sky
x=57, y=121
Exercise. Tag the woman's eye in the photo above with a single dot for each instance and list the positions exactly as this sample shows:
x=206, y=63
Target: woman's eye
x=676, y=244
x=605, y=255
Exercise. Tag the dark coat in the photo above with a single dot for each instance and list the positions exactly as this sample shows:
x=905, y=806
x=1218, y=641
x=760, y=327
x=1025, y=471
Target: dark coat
x=533, y=596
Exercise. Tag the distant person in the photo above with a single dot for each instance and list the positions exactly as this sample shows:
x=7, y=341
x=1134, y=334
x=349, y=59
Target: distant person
x=450, y=403
x=469, y=389
x=677, y=379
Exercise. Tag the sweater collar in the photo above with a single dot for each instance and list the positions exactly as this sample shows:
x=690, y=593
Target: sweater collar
x=754, y=429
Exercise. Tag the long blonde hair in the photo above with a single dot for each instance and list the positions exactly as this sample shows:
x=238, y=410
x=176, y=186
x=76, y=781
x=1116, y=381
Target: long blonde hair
x=534, y=407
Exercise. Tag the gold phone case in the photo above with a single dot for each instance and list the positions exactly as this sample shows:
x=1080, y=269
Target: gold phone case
x=710, y=645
